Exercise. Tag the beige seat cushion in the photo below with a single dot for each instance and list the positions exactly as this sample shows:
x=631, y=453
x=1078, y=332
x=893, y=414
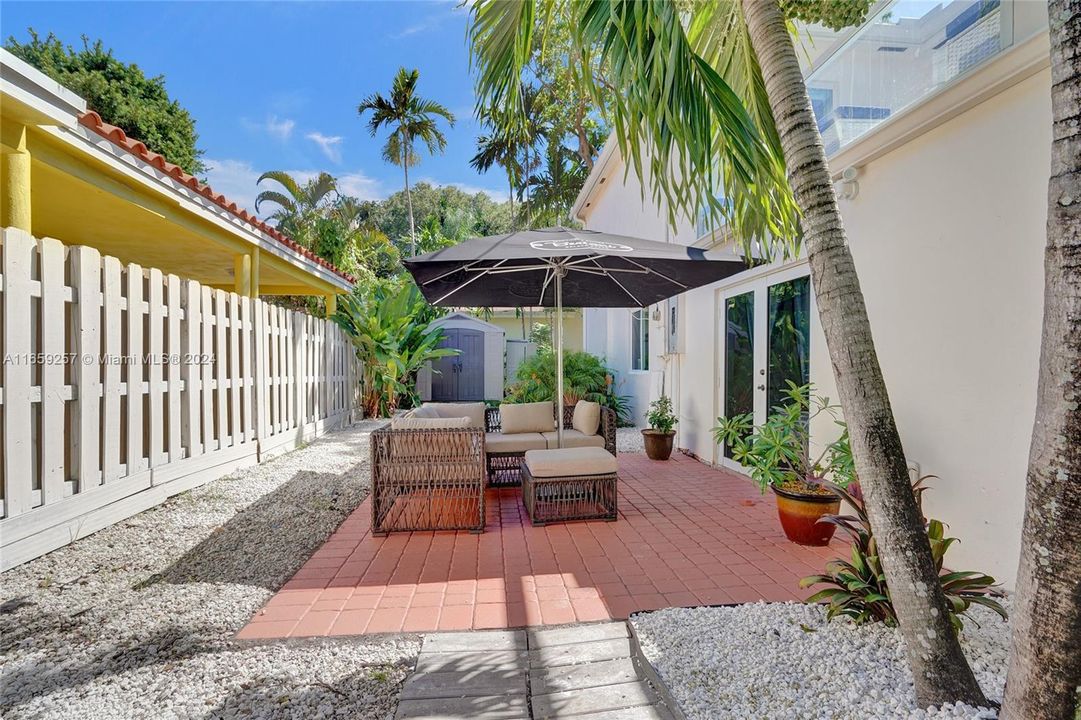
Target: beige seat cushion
x=526, y=417
x=570, y=461
x=587, y=417
x=473, y=411
x=517, y=443
x=423, y=423
x=573, y=439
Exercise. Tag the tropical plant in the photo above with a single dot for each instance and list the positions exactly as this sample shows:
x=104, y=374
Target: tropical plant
x=858, y=587
x=551, y=193
x=1045, y=664
x=660, y=416
x=707, y=94
x=778, y=452
x=389, y=324
x=300, y=204
x=121, y=94
x=412, y=119
x=502, y=147
x=585, y=377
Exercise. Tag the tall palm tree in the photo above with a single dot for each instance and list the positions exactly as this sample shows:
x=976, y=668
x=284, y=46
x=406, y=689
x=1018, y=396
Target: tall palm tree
x=299, y=203
x=552, y=192
x=720, y=102
x=1045, y=660
x=500, y=147
x=412, y=118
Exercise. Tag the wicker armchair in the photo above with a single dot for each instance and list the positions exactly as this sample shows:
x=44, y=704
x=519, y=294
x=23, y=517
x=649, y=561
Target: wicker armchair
x=505, y=469
x=427, y=479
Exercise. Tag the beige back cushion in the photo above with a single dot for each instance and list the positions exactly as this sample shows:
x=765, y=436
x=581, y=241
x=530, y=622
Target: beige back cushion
x=527, y=417
x=424, y=411
x=424, y=423
x=587, y=417
x=473, y=411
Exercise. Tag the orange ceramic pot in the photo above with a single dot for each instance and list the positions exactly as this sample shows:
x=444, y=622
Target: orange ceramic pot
x=800, y=513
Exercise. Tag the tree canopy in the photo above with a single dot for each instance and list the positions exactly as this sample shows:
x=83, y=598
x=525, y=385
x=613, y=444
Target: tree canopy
x=120, y=93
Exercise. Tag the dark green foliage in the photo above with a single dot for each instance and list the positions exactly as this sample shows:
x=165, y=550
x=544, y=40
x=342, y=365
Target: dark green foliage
x=660, y=415
x=120, y=93
x=585, y=377
x=858, y=587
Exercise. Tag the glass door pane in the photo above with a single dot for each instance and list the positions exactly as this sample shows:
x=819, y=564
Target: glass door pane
x=789, y=338
x=738, y=356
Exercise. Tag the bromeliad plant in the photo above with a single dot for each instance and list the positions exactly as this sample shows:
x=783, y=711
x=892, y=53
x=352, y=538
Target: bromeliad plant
x=857, y=587
x=777, y=453
x=388, y=323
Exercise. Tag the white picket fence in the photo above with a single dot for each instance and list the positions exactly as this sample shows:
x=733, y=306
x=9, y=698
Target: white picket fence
x=123, y=386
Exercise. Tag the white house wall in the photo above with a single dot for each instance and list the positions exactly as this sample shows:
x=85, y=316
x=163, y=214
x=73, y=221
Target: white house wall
x=947, y=233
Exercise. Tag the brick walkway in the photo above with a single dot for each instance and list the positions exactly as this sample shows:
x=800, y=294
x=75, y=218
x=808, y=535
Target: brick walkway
x=687, y=535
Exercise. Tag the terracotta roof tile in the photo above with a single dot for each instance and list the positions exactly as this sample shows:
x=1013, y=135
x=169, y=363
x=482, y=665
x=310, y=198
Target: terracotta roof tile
x=118, y=137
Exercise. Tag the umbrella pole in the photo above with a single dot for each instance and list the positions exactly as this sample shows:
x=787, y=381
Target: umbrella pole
x=560, y=271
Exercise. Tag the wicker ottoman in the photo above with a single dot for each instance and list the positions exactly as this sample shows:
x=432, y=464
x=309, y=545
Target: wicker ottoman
x=569, y=484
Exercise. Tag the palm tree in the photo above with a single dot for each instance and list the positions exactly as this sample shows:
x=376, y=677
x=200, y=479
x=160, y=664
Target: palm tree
x=714, y=96
x=552, y=192
x=298, y=203
x=1045, y=661
x=501, y=148
x=412, y=118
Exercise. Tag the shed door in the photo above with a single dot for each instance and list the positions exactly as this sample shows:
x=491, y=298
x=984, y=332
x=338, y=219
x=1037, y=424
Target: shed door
x=470, y=365
x=444, y=370
x=460, y=377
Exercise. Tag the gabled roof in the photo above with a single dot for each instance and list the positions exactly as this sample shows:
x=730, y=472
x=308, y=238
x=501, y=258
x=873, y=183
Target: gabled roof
x=117, y=136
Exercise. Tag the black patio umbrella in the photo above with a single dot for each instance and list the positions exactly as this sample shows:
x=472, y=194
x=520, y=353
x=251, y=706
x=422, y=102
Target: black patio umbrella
x=557, y=267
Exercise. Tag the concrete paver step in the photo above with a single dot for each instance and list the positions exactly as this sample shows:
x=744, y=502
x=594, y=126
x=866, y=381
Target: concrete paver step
x=568, y=703
x=592, y=651
x=500, y=707
x=468, y=683
x=577, y=634
x=578, y=677
x=642, y=712
x=459, y=662
x=480, y=641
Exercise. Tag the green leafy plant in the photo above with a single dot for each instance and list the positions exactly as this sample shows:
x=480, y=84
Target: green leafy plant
x=858, y=588
x=585, y=377
x=660, y=416
x=389, y=324
x=778, y=452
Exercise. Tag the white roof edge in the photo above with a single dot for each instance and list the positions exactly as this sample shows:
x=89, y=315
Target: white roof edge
x=609, y=153
x=29, y=85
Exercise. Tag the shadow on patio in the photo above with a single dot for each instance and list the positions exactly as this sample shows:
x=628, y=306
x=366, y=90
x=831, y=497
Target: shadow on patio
x=687, y=535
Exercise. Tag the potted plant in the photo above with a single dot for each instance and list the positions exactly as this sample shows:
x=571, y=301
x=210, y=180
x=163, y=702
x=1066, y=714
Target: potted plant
x=658, y=437
x=778, y=455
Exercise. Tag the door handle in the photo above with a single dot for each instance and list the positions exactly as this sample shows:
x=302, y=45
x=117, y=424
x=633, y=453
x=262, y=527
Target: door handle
x=761, y=387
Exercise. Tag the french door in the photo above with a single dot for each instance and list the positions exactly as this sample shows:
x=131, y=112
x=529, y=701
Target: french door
x=765, y=341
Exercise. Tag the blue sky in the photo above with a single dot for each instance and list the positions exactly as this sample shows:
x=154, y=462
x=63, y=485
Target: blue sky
x=276, y=85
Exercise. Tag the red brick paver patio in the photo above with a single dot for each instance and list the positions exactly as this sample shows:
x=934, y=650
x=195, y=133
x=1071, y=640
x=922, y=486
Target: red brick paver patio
x=687, y=535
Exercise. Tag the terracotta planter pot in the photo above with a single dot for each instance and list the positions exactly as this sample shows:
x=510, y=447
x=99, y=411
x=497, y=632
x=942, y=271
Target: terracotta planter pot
x=658, y=444
x=800, y=513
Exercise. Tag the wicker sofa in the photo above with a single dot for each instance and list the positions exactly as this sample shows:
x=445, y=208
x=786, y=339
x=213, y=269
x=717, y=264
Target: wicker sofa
x=505, y=452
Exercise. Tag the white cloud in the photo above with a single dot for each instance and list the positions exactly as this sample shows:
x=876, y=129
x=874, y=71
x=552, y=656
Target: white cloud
x=329, y=144
x=235, y=179
x=275, y=127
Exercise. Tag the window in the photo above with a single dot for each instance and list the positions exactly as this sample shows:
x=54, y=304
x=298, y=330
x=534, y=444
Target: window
x=640, y=339
x=907, y=51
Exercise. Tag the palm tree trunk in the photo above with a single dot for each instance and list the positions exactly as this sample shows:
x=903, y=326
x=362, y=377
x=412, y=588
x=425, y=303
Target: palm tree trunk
x=406, y=155
x=938, y=666
x=1045, y=648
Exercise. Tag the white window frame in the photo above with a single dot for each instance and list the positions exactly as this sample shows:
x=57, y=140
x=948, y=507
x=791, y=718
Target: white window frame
x=640, y=351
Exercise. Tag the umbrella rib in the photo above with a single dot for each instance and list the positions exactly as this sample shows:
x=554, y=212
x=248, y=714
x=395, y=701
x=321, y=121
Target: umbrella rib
x=548, y=275
x=651, y=270
x=467, y=282
x=451, y=272
x=617, y=282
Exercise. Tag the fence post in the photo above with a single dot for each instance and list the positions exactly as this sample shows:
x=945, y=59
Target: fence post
x=52, y=374
x=135, y=369
x=18, y=251
x=191, y=332
x=86, y=428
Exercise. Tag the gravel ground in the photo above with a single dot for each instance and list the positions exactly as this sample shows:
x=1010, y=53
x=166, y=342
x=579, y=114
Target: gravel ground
x=782, y=660
x=629, y=440
x=136, y=621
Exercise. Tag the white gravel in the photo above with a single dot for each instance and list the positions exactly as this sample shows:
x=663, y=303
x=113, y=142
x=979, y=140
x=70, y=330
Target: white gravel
x=782, y=660
x=136, y=621
x=629, y=440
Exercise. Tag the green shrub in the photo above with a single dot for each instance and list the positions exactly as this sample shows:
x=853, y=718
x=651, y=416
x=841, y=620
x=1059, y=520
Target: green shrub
x=660, y=415
x=858, y=587
x=585, y=377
